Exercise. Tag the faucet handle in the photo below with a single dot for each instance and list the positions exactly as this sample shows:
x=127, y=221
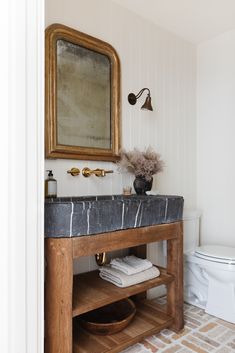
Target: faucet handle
x=73, y=171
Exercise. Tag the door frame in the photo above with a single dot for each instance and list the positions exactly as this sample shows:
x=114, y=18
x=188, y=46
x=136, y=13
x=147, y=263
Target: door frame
x=22, y=176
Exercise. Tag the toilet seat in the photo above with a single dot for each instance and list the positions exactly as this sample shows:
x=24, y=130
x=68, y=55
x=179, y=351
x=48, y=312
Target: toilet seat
x=216, y=253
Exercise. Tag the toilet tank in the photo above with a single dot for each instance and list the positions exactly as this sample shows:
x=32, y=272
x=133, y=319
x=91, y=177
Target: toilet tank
x=191, y=219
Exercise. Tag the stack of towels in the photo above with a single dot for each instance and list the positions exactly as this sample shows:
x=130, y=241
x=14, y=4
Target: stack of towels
x=129, y=270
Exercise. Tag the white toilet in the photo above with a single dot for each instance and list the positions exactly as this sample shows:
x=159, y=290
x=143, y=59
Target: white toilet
x=209, y=272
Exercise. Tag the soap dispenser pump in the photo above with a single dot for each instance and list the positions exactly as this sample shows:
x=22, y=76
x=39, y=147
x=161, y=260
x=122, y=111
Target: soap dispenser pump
x=50, y=185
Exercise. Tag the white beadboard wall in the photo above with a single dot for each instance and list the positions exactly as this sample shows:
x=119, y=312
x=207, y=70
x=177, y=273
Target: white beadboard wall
x=215, y=139
x=150, y=57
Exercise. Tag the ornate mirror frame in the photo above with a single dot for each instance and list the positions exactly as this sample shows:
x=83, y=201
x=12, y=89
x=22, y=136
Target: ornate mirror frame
x=54, y=149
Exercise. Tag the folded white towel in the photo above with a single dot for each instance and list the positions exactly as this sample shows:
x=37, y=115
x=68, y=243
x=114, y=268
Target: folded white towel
x=130, y=264
x=120, y=279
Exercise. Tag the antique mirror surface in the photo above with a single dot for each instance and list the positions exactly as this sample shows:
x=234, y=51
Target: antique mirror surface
x=82, y=96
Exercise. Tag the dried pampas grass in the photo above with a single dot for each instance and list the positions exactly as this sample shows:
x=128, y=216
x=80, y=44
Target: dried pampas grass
x=144, y=164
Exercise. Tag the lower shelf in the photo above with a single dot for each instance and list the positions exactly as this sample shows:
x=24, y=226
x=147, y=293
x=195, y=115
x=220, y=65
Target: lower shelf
x=91, y=292
x=149, y=319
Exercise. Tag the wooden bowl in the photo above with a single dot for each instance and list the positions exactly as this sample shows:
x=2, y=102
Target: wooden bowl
x=110, y=318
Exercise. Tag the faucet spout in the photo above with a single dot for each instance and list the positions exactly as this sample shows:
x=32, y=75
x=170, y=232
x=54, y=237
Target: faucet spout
x=86, y=172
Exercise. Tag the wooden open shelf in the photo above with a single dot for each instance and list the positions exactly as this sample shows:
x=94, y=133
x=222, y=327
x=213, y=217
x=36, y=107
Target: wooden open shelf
x=147, y=321
x=91, y=292
x=68, y=296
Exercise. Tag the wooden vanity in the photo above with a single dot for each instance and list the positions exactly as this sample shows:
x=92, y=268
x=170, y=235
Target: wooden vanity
x=68, y=296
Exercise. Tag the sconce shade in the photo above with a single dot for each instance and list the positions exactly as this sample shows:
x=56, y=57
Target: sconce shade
x=132, y=99
x=147, y=104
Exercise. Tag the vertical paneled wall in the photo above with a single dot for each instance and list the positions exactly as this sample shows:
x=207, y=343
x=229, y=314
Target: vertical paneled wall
x=150, y=57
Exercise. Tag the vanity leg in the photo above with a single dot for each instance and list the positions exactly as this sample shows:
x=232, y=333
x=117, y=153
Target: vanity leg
x=58, y=295
x=175, y=289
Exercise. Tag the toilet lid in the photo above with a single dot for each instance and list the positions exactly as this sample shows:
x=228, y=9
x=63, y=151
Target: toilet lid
x=216, y=253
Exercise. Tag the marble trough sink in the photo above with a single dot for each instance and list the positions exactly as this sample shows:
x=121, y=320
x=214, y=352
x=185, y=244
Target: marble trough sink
x=79, y=216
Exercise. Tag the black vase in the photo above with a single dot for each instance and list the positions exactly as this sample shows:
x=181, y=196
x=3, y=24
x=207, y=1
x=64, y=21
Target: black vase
x=141, y=185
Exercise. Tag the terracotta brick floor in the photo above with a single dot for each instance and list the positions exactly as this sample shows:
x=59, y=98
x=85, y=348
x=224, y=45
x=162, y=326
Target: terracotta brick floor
x=202, y=333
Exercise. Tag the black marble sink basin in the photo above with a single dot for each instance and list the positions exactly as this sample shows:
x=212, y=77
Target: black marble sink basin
x=86, y=215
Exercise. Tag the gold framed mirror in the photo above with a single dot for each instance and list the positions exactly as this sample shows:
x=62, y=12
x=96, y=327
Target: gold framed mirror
x=82, y=96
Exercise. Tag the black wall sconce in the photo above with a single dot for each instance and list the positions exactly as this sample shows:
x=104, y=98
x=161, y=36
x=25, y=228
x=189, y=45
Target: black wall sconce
x=132, y=99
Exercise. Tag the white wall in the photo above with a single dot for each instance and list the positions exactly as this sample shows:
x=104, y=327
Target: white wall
x=150, y=57
x=215, y=139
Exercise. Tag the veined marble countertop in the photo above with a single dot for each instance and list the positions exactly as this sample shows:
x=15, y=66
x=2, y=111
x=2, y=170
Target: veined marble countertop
x=87, y=215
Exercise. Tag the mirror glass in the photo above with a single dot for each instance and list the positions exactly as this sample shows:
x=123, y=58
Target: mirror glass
x=82, y=96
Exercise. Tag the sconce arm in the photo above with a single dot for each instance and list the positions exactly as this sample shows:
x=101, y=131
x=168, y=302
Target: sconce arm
x=141, y=92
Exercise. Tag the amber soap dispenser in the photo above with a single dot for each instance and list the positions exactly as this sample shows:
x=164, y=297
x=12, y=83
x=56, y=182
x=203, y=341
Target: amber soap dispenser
x=50, y=185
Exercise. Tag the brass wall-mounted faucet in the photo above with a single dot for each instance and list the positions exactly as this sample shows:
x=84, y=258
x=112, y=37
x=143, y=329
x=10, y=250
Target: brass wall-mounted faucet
x=86, y=172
